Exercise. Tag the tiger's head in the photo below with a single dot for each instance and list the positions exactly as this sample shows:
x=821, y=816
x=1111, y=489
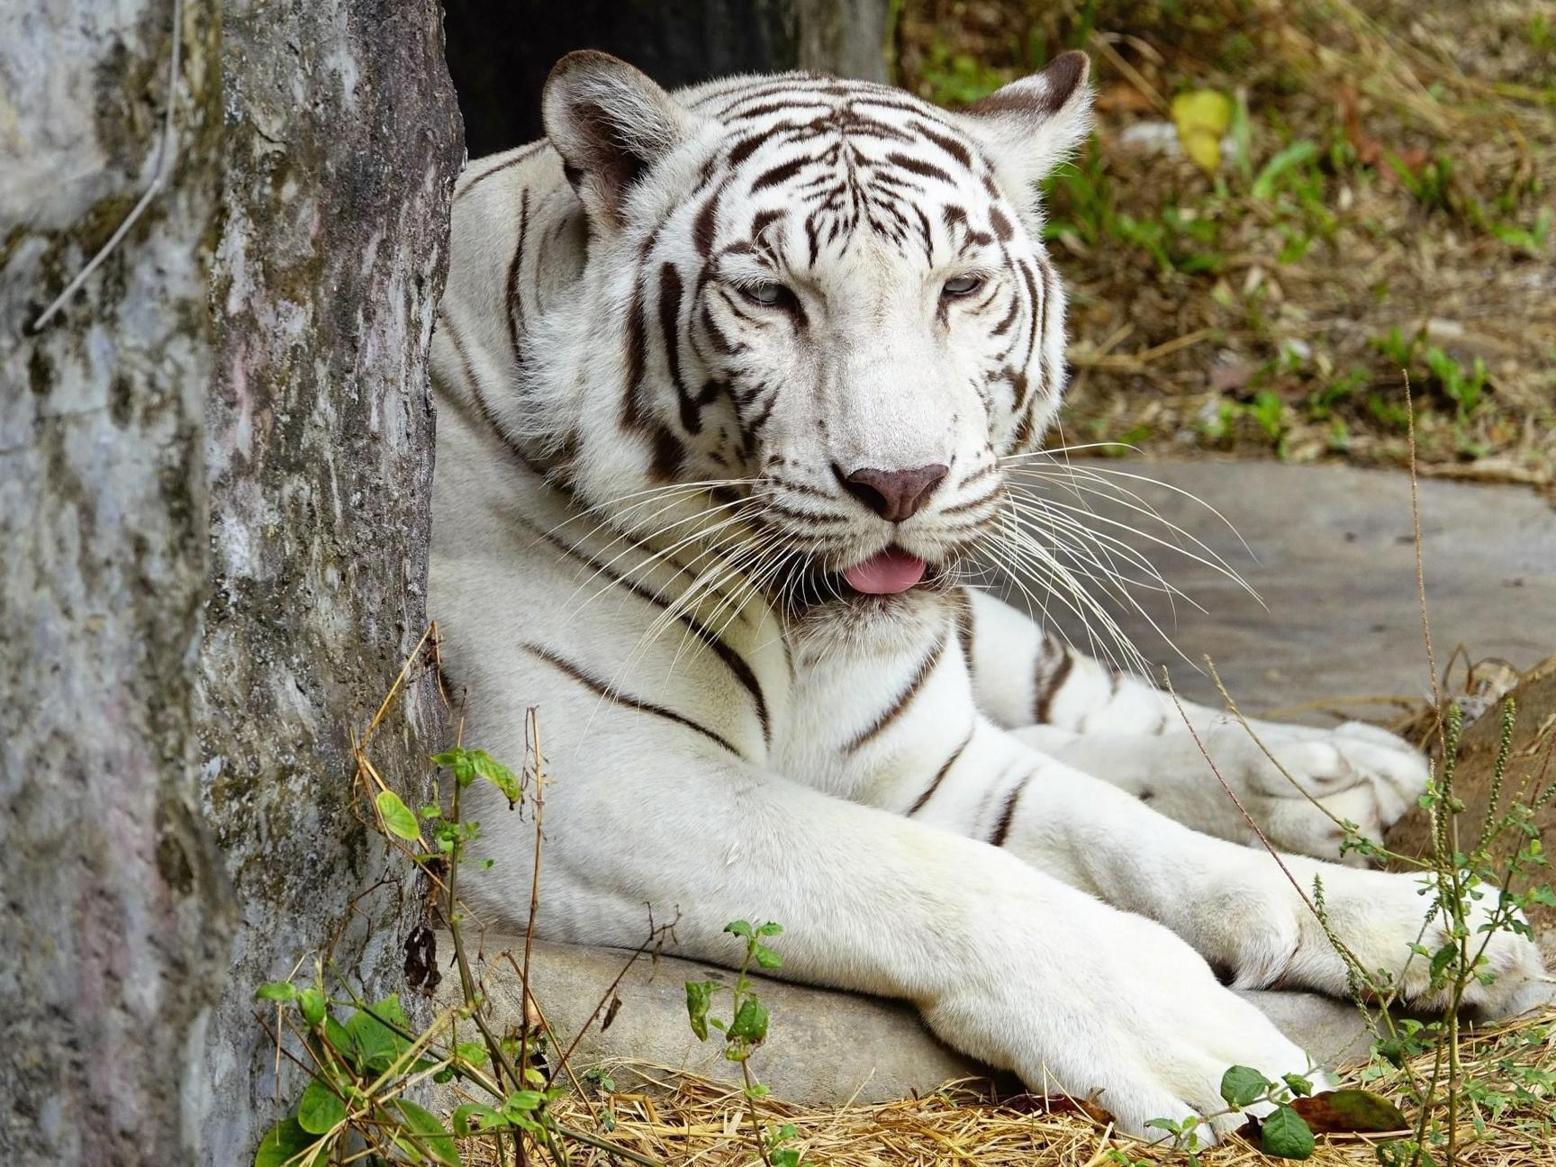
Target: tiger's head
x=825, y=301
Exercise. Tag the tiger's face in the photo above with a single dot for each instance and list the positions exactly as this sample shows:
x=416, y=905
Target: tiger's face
x=835, y=305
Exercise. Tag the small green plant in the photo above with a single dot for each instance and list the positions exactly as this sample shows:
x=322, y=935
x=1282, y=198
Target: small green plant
x=364, y=1059
x=1460, y=877
x=1531, y=239
x=744, y=1030
x=1324, y=400
x=956, y=79
x=1540, y=32
x=1283, y=1133
x=1469, y=897
x=365, y=1062
x=1465, y=386
x=1431, y=184
x=1266, y=410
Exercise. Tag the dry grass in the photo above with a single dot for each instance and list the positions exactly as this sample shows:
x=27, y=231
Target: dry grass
x=693, y=1121
x=1224, y=313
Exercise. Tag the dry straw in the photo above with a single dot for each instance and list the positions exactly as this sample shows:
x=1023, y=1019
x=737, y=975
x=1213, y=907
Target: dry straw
x=682, y=1119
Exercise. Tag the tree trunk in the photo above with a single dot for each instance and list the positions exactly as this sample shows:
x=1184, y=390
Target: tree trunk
x=117, y=909
x=214, y=477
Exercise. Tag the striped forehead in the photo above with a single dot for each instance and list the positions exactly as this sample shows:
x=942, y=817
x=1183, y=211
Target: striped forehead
x=840, y=155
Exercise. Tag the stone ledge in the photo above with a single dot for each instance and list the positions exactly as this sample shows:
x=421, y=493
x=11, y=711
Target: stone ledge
x=825, y=1048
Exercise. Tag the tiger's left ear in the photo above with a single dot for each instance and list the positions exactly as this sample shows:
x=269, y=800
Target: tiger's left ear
x=1032, y=125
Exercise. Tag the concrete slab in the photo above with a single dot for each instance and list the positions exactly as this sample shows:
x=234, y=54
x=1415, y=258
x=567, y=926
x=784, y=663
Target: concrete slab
x=824, y=1047
x=1333, y=558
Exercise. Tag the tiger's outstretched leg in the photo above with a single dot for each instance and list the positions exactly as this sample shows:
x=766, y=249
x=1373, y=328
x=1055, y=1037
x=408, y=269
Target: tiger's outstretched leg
x=1236, y=905
x=1005, y=962
x=1298, y=783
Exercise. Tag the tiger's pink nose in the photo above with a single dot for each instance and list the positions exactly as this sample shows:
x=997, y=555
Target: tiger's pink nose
x=895, y=495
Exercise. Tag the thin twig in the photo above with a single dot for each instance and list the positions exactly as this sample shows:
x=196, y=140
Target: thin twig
x=167, y=154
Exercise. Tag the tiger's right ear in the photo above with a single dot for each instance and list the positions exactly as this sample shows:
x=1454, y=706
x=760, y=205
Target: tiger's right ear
x=611, y=124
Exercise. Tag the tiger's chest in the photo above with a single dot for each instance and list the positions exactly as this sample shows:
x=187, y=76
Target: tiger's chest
x=878, y=694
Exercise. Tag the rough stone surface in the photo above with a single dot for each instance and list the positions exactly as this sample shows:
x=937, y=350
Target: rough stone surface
x=1335, y=565
x=824, y=1047
x=341, y=144
x=116, y=908
x=214, y=477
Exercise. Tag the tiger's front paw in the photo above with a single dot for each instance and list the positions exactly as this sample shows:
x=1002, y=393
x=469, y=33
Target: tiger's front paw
x=1312, y=782
x=1390, y=925
x=1135, y=1021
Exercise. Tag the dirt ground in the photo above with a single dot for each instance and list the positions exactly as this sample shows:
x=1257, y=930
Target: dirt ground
x=1381, y=204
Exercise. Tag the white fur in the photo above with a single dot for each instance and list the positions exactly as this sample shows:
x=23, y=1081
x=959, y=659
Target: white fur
x=1075, y=953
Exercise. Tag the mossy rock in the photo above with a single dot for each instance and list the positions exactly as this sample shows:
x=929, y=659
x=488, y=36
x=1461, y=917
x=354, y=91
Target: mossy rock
x=1531, y=767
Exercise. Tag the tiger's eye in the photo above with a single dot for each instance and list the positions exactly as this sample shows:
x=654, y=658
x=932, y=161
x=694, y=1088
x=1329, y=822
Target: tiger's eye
x=768, y=293
x=962, y=285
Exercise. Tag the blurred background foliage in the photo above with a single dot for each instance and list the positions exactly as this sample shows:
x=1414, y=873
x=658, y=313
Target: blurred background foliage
x=1286, y=208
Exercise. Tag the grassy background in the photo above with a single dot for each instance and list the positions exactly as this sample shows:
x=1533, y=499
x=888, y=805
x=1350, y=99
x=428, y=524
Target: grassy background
x=1382, y=203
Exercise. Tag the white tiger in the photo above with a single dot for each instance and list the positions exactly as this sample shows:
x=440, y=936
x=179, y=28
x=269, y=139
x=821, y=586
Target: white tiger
x=729, y=382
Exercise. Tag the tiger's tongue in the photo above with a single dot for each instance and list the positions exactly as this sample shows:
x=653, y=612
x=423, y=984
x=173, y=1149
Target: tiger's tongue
x=885, y=573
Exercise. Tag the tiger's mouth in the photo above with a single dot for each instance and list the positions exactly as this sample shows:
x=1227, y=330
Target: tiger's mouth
x=888, y=572
x=881, y=578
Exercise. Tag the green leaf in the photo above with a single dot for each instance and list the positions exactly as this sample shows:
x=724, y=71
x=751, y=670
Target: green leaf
x=1350, y=1112
x=311, y=1002
x=770, y=929
x=284, y=1144
x=699, y=995
x=426, y=1134
x=461, y=761
x=471, y=1051
x=276, y=991
x=338, y=1038
x=319, y=1109
x=458, y=761
x=1243, y=1085
x=1285, y=1135
x=390, y=1011
x=739, y=927
x=374, y=1044
x=398, y=819
x=750, y=1021
x=1294, y=155
x=523, y=1101
x=497, y=774
x=1298, y=1085
x=766, y=957
x=1442, y=958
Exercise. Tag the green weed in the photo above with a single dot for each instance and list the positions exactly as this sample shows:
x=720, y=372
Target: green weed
x=1463, y=386
x=744, y=1030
